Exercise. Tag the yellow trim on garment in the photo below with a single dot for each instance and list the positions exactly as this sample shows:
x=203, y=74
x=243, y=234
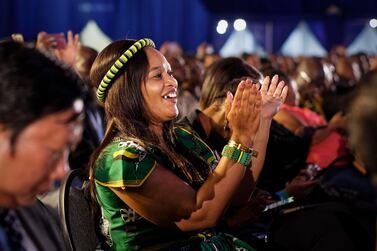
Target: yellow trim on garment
x=126, y=183
x=125, y=153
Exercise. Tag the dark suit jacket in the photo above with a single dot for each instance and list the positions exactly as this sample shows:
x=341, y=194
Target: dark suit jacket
x=42, y=227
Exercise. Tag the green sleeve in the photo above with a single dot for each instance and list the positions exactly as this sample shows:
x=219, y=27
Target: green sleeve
x=123, y=164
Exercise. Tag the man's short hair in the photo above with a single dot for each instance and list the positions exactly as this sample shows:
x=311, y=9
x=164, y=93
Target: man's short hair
x=32, y=86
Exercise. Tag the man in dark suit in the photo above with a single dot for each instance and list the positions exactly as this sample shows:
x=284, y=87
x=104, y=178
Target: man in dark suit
x=40, y=121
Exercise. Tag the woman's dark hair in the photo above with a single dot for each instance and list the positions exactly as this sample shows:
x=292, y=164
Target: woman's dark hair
x=124, y=104
x=125, y=111
x=32, y=86
x=219, y=74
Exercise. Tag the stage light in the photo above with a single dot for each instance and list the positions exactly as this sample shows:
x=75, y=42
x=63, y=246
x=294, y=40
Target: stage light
x=239, y=24
x=223, y=23
x=222, y=26
x=373, y=23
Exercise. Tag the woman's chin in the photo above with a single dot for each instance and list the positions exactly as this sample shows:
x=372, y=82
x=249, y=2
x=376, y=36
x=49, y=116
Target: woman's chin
x=174, y=114
x=173, y=117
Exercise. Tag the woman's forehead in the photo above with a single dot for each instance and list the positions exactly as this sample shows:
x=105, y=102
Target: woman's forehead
x=156, y=59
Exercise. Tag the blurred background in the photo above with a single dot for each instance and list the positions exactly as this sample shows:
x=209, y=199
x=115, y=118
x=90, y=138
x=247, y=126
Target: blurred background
x=294, y=27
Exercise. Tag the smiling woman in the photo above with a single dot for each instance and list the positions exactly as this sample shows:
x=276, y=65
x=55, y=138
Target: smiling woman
x=159, y=184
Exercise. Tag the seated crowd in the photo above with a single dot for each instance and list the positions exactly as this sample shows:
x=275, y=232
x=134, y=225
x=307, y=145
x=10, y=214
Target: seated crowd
x=187, y=152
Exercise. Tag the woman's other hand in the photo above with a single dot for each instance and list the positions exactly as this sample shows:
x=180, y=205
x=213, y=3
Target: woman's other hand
x=273, y=94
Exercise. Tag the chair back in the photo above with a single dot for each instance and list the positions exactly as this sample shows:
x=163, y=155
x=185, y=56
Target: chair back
x=75, y=213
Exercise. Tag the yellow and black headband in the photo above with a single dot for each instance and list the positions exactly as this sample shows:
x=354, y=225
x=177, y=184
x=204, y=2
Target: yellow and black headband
x=118, y=65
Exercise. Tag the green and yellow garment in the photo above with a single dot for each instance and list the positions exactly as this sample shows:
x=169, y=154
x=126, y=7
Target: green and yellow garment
x=124, y=164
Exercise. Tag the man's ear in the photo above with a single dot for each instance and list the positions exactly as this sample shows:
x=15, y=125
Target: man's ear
x=2, y=127
x=5, y=135
x=4, y=132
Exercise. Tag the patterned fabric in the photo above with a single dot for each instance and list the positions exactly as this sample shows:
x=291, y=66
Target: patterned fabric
x=10, y=224
x=224, y=242
x=124, y=164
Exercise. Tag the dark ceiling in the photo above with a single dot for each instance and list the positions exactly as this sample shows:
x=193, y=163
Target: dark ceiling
x=342, y=8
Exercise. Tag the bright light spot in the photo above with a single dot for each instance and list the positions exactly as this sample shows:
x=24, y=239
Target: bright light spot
x=220, y=30
x=239, y=24
x=78, y=105
x=222, y=25
x=373, y=23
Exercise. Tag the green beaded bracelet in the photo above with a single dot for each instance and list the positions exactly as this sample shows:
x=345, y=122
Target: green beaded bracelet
x=236, y=154
x=253, y=152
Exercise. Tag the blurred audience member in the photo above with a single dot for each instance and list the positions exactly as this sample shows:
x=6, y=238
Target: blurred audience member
x=40, y=122
x=190, y=89
x=84, y=60
x=56, y=45
x=252, y=59
x=326, y=142
x=362, y=123
x=80, y=59
x=171, y=49
x=94, y=114
x=310, y=78
x=346, y=73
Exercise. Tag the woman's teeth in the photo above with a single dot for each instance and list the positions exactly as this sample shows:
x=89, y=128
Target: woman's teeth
x=170, y=96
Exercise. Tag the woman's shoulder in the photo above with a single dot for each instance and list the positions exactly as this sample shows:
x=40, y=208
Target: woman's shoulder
x=123, y=163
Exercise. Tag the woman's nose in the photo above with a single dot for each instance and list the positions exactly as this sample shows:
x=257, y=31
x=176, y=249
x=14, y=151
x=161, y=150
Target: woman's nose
x=171, y=80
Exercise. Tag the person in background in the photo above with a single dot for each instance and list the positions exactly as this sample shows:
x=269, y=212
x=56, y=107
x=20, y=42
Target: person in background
x=288, y=153
x=314, y=227
x=190, y=89
x=83, y=62
x=362, y=123
x=94, y=114
x=59, y=47
x=79, y=58
x=40, y=122
x=252, y=59
x=327, y=142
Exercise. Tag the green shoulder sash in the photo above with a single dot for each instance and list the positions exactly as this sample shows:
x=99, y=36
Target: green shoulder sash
x=193, y=142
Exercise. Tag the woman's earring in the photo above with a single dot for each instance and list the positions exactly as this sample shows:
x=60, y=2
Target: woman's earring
x=226, y=128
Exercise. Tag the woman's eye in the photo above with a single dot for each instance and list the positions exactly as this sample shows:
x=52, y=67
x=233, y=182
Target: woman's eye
x=158, y=75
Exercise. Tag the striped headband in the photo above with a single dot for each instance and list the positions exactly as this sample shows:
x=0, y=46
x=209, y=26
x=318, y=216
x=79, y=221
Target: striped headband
x=118, y=65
